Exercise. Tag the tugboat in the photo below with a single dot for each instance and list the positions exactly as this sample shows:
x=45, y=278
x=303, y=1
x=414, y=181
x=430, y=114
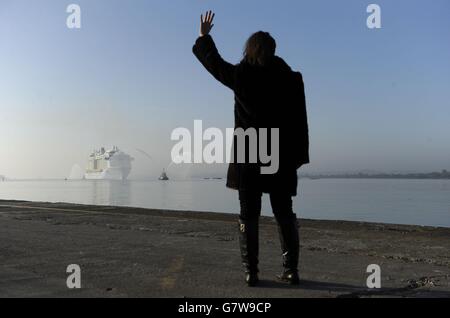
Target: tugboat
x=164, y=176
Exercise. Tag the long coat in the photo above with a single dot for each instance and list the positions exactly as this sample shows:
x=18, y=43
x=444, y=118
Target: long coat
x=269, y=96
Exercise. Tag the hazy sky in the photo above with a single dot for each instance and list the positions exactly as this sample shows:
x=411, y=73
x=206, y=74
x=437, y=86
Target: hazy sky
x=377, y=99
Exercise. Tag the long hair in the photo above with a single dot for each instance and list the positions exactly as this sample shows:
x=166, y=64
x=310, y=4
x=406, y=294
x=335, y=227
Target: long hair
x=260, y=48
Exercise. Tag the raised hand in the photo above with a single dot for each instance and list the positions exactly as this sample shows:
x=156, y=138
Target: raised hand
x=206, y=23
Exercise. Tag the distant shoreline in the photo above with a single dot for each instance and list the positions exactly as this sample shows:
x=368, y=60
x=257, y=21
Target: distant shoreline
x=444, y=175
x=366, y=178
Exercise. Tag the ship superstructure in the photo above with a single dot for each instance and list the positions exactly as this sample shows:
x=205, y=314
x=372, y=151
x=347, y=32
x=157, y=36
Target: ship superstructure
x=111, y=164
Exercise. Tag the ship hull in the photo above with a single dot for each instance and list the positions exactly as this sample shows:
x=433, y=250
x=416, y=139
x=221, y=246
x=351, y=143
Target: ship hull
x=114, y=174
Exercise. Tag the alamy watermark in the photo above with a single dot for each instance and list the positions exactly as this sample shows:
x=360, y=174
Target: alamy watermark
x=374, y=279
x=74, y=19
x=374, y=19
x=74, y=279
x=250, y=146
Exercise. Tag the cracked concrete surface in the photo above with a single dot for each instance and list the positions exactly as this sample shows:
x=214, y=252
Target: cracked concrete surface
x=127, y=252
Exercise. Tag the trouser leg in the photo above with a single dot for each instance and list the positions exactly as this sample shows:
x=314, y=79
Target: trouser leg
x=287, y=229
x=249, y=229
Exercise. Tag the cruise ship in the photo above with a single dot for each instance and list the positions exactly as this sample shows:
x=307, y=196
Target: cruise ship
x=111, y=164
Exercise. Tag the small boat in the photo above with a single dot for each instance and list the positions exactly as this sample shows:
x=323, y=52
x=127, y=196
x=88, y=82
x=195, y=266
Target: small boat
x=163, y=176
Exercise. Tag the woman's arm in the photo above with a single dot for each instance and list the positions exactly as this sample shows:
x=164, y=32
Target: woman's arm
x=206, y=52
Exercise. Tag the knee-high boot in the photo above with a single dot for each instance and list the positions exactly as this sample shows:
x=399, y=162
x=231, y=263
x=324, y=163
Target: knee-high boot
x=249, y=245
x=290, y=245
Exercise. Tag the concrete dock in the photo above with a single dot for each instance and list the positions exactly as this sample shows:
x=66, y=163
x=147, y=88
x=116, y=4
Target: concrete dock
x=128, y=252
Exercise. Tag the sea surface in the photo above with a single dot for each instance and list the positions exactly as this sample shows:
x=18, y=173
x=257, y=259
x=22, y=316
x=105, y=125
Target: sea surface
x=418, y=202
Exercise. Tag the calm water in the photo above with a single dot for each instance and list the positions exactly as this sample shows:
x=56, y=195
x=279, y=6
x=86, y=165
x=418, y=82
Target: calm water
x=421, y=202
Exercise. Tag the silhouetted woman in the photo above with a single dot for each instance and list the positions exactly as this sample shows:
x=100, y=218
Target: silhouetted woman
x=268, y=94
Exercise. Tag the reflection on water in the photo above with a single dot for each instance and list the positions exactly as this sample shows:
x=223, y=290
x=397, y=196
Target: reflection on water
x=422, y=202
x=96, y=192
x=110, y=193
